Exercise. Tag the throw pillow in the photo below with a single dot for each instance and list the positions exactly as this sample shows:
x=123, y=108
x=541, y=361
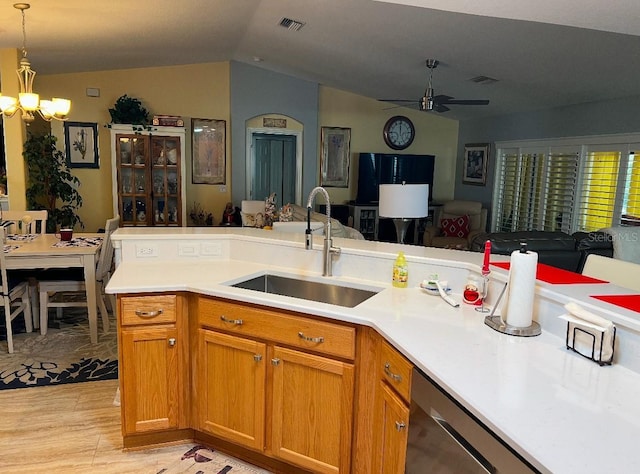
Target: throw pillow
x=455, y=227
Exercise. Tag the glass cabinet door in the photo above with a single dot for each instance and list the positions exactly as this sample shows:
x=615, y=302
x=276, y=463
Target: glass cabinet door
x=132, y=155
x=165, y=156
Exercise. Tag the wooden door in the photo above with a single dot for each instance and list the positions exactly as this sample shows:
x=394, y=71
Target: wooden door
x=391, y=429
x=231, y=384
x=312, y=410
x=150, y=379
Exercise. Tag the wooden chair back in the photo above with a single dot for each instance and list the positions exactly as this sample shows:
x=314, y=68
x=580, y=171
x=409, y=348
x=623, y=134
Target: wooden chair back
x=106, y=252
x=25, y=222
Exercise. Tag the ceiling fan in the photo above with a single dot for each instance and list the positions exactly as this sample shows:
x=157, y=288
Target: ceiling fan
x=439, y=103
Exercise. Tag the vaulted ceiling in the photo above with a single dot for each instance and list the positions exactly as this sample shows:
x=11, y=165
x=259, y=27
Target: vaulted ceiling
x=542, y=54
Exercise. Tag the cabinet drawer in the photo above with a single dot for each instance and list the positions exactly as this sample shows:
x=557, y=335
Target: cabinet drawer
x=148, y=309
x=395, y=370
x=272, y=325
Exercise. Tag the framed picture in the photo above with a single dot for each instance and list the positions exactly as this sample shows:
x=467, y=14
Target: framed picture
x=335, y=158
x=81, y=142
x=474, y=167
x=208, y=159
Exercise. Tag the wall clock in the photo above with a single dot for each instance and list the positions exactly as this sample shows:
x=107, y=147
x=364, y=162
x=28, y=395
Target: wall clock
x=398, y=132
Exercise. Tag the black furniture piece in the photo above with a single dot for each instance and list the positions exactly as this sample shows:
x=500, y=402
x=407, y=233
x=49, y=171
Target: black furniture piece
x=557, y=249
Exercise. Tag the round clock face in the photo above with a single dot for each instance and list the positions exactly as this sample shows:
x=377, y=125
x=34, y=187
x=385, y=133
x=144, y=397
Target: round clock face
x=399, y=132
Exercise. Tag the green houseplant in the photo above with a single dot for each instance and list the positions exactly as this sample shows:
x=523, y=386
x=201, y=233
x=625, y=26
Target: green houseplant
x=50, y=184
x=129, y=110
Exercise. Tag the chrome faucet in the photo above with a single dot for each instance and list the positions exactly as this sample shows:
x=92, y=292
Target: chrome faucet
x=328, y=250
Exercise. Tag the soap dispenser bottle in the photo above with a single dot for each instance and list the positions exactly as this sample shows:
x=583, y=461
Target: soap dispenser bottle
x=400, y=271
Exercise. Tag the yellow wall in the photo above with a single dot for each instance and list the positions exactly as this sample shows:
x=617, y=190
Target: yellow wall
x=200, y=91
x=14, y=132
x=203, y=91
x=366, y=117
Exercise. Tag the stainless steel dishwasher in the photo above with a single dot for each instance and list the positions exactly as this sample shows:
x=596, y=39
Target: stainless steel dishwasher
x=445, y=439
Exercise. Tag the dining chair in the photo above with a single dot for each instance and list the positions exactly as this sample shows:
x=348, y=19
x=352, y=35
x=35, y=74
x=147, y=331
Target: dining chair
x=64, y=282
x=15, y=298
x=25, y=222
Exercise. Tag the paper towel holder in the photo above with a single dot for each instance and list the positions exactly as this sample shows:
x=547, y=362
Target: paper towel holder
x=496, y=322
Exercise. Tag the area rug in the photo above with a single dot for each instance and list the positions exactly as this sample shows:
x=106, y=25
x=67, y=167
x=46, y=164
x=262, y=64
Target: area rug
x=203, y=460
x=64, y=355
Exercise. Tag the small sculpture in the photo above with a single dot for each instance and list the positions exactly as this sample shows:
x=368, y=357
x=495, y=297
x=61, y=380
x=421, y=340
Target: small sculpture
x=270, y=210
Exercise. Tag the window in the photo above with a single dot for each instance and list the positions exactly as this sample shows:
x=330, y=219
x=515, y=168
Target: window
x=536, y=191
x=567, y=185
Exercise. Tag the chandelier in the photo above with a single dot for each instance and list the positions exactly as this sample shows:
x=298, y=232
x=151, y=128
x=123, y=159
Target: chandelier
x=29, y=102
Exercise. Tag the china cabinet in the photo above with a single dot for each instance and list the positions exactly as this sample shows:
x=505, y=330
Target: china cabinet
x=148, y=175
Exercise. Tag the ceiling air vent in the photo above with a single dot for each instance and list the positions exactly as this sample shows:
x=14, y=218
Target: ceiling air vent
x=293, y=25
x=483, y=80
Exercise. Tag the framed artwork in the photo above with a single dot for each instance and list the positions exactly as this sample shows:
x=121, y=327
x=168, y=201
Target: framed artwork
x=474, y=167
x=336, y=157
x=208, y=151
x=81, y=143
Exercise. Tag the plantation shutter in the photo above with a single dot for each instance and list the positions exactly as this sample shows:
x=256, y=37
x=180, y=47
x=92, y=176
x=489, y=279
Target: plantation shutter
x=560, y=186
x=599, y=188
x=535, y=190
x=631, y=202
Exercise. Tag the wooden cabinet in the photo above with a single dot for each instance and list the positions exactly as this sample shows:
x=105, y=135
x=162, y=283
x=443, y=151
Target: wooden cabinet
x=148, y=175
x=283, y=371
x=231, y=385
x=153, y=350
x=391, y=419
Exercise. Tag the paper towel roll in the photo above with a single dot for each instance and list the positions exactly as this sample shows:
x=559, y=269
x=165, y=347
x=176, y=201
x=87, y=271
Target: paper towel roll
x=517, y=310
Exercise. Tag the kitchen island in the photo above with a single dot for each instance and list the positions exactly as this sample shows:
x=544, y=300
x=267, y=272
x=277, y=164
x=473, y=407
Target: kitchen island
x=555, y=409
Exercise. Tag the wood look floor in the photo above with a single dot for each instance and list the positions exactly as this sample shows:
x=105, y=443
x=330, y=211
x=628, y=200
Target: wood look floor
x=72, y=428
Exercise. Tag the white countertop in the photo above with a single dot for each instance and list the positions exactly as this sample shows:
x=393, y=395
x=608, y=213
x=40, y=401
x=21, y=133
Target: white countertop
x=561, y=412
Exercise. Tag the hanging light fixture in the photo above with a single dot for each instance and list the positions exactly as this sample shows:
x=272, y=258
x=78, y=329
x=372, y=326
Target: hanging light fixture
x=29, y=102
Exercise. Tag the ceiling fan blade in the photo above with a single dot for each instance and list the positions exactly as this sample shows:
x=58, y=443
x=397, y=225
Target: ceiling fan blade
x=440, y=108
x=397, y=100
x=466, y=102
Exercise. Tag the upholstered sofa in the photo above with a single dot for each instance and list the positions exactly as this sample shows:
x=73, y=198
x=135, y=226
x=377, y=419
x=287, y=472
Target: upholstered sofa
x=456, y=223
x=557, y=249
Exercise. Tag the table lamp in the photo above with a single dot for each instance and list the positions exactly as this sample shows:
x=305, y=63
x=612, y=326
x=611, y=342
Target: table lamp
x=403, y=203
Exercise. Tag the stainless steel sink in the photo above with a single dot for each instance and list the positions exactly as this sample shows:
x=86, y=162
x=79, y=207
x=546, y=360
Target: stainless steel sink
x=307, y=290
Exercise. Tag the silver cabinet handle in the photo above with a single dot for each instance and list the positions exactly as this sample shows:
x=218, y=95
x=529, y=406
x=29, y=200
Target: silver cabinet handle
x=257, y=357
x=172, y=341
x=387, y=370
x=310, y=339
x=237, y=322
x=400, y=425
x=275, y=361
x=148, y=314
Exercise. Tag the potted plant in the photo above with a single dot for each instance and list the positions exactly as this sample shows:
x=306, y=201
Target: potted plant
x=50, y=184
x=129, y=110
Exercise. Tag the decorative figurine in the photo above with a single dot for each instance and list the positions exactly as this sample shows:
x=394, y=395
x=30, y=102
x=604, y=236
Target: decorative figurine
x=231, y=215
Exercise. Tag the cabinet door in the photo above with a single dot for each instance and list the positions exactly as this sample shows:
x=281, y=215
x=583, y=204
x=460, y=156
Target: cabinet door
x=132, y=155
x=149, y=379
x=312, y=410
x=166, y=180
x=231, y=387
x=391, y=429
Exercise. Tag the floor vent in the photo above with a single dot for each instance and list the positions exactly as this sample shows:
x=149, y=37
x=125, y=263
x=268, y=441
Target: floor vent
x=293, y=25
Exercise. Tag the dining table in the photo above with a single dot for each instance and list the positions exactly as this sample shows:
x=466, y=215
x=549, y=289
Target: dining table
x=41, y=251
